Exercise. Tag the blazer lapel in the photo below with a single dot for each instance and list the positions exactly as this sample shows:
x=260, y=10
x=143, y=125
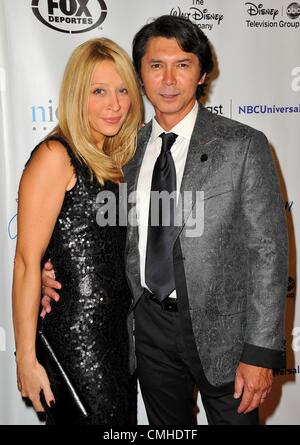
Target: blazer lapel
x=131, y=174
x=200, y=152
x=132, y=169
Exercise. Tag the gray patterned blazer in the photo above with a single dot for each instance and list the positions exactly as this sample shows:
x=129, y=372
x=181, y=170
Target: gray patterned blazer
x=236, y=270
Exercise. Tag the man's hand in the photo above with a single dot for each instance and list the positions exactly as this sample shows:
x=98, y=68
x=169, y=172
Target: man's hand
x=254, y=383
x=48, y=286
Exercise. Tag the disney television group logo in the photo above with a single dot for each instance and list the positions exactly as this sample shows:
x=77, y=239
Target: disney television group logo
x=259, y=10
x=266, y=17
x=70, y=16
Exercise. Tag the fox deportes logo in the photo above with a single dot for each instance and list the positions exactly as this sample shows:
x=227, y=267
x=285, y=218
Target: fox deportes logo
x=70, y=16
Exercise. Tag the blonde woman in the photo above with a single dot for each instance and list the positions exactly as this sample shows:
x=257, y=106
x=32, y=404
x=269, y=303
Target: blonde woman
x=100, y=110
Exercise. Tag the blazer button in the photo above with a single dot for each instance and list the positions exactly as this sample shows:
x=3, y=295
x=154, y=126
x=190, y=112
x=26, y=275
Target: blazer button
x=204, y=157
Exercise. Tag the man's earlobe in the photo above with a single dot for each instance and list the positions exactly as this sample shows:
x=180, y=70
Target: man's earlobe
x=202, y=79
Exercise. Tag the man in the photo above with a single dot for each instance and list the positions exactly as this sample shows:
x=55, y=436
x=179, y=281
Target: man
x=208, y=306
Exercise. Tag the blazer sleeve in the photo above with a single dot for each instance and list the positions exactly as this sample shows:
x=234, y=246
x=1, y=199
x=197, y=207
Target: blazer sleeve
x=266, y=243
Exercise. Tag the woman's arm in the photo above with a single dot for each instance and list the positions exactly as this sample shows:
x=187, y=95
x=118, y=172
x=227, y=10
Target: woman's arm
x=41, y=194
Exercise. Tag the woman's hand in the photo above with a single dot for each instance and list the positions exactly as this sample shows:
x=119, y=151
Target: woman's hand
x=32, y=379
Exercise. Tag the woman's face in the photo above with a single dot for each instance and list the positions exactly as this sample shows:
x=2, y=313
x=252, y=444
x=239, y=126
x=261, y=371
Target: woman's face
x=109, y=101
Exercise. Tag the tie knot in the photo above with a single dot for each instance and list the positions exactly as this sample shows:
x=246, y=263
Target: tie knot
x=168, y=140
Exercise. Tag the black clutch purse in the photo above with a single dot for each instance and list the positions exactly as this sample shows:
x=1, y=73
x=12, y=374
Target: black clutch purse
x=69, y=407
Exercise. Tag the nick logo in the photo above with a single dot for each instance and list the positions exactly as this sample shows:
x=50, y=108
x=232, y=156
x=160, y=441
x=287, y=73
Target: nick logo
x=70, y=16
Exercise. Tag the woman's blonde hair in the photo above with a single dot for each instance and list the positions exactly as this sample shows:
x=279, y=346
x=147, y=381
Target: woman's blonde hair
x=73, y=123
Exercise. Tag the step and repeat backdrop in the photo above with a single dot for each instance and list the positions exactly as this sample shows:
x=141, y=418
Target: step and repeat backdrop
x=256, y=81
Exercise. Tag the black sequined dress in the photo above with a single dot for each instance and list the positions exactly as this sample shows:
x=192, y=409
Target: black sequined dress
x=88, y=324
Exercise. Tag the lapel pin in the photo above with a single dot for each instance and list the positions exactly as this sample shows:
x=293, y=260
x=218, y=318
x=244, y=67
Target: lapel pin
x=204, y=157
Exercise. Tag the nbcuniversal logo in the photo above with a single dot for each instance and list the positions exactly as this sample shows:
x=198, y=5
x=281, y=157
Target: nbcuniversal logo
x=43, y=117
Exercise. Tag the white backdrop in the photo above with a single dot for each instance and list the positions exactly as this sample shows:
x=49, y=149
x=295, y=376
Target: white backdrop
x=257, y=81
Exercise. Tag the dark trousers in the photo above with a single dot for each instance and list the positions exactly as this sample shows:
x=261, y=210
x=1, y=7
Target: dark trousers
x=167, y=379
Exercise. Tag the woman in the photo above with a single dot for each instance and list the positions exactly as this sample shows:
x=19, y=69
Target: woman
x=100, y=110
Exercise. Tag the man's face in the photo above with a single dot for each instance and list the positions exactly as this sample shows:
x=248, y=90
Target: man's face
x=170, y=77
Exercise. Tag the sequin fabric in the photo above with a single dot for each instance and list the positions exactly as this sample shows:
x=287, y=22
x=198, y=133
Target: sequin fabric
x=88, y=324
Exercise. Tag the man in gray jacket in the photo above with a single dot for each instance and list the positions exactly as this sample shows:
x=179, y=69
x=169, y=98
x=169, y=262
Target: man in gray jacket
x=208, y=288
